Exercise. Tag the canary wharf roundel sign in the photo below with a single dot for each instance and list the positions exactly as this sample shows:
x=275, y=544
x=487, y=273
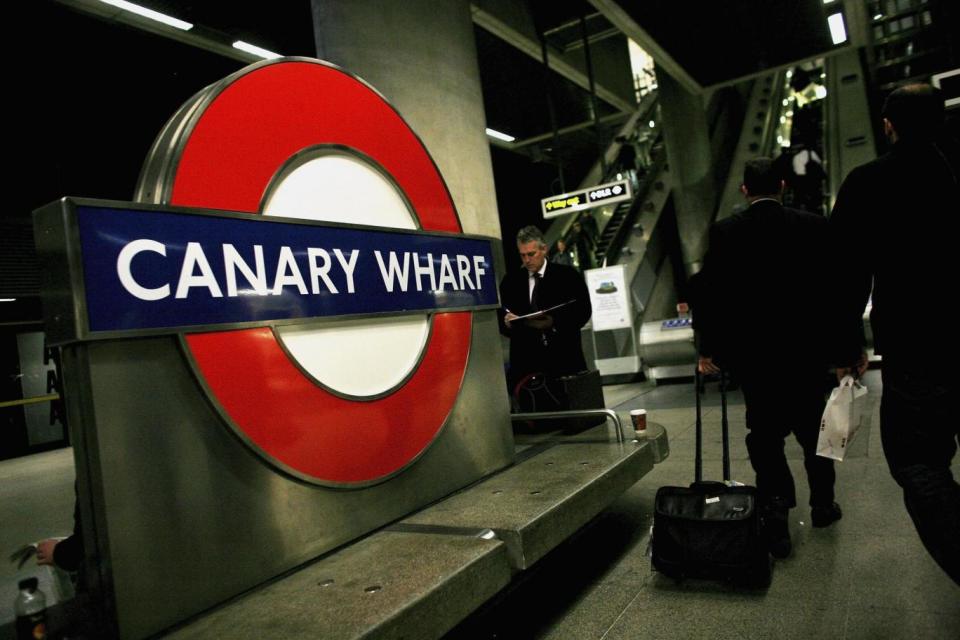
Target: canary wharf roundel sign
x=298, y=236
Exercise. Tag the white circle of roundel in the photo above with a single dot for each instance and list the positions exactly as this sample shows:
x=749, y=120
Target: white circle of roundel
x=354, y=357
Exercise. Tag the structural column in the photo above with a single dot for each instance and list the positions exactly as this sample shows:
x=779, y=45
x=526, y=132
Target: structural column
x=689, y=152
x=422, y=57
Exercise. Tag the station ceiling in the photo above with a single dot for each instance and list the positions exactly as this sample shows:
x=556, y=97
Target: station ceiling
x=717, y=42
x=712, y=42
x=708, y=42
x=77, y=85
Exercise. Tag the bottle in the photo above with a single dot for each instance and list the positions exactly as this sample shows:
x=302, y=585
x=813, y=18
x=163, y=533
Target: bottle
x=31, y=610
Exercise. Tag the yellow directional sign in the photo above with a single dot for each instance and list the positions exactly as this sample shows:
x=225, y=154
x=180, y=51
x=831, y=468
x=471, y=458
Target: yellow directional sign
x=597, y=196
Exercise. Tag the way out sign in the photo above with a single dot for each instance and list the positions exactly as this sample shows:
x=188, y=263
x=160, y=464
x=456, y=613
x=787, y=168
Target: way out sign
x=597, y=196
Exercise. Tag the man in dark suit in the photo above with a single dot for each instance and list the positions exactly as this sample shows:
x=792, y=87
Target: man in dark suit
x=760, y=308
x=895, y=226
x=549, y=343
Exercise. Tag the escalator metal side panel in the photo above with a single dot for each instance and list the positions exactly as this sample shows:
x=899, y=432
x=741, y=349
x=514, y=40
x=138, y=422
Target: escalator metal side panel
x=753, y=143
x=847, y=123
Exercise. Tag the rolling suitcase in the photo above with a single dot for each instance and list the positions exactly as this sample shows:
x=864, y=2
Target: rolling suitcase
x=710, y=529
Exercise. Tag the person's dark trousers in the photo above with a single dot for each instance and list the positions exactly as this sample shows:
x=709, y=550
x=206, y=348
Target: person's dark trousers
x=778, y=405
x=919, y=434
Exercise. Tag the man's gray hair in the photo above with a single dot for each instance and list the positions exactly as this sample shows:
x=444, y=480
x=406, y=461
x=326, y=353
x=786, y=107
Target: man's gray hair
x=530, y=234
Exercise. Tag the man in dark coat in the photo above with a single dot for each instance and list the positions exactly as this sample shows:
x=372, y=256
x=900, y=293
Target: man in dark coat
x=760, y=305
x=561, y=255
x=895, y=225
x=549, y=343
x=800, y=166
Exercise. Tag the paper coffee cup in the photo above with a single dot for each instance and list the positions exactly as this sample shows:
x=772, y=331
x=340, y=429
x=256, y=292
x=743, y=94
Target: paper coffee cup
x=639, y=419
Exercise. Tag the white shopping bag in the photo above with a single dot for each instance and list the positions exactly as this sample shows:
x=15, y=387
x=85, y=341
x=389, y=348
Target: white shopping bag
x=841, y=418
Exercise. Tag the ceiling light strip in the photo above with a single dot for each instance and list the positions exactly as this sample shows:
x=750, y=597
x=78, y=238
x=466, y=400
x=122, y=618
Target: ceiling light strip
x=149, y=13
x=255, y=50
x=493, y=133
x=838, y=30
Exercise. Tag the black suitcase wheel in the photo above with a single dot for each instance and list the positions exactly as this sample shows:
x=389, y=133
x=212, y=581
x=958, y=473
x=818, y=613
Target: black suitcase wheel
x=759, y=576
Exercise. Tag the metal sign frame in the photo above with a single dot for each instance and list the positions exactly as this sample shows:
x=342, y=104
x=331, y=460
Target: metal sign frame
x=590, y=198
x=169, y=491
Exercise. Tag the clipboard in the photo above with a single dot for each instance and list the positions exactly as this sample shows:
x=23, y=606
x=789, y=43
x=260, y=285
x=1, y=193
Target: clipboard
x=542, y=312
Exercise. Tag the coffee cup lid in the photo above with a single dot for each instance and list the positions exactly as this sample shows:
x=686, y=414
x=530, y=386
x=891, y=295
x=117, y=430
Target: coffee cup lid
x=638, y=412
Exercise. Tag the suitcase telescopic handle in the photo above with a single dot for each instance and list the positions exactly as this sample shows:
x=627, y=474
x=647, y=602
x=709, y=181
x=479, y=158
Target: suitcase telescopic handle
x=698, y=459
x=724, y=425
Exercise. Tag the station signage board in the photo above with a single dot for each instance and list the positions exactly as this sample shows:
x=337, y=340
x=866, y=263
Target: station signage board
x=609, y=297
x=598, y=196
x=144, y=270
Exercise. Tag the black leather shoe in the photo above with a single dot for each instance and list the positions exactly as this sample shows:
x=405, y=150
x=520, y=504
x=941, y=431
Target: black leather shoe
x=825, y=516
x=776, y=532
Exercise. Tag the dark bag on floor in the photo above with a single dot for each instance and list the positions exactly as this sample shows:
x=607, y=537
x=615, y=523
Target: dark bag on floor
x=710, y=529
x=537, y=393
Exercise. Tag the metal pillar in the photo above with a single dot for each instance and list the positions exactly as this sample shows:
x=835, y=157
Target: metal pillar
x=424, y=61
x=687, y=138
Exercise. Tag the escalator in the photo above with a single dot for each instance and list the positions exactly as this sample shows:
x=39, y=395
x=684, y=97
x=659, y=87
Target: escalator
x=641, y=234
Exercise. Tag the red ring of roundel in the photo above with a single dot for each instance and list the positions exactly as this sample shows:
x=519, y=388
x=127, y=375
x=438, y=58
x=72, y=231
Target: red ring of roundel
x=236, y=147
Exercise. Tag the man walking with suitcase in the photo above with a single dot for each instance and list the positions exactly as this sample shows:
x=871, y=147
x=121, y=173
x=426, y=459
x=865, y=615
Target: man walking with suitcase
x=760, y=312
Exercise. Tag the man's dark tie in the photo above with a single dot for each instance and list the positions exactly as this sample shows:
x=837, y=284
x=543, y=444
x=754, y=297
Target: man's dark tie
x=534, y=302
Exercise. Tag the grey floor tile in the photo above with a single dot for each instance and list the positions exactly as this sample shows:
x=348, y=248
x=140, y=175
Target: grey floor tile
x=703, y=611
x=600, y=607
x=894, y=571
x=899, y=624
x=871, y=498
x=619, y=394
x=674, y=424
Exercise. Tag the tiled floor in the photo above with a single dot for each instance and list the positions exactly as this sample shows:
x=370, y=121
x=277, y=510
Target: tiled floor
x=866, y=577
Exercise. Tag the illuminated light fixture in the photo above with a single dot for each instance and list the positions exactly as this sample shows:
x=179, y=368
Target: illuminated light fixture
x=149, y=13
x=879, y=16
x=8, y=299
x=838, y=31
x=821, y=92
x=652, y=124
x=789, y=73
x=255, y=50
x=785, y=102
x=827, y=1
x=493, y=133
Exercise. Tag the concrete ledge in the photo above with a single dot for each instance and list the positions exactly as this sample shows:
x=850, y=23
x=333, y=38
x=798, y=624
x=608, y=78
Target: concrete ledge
x=536, y=505
x=423, y=575
x=657, y=436
x=389, y=585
